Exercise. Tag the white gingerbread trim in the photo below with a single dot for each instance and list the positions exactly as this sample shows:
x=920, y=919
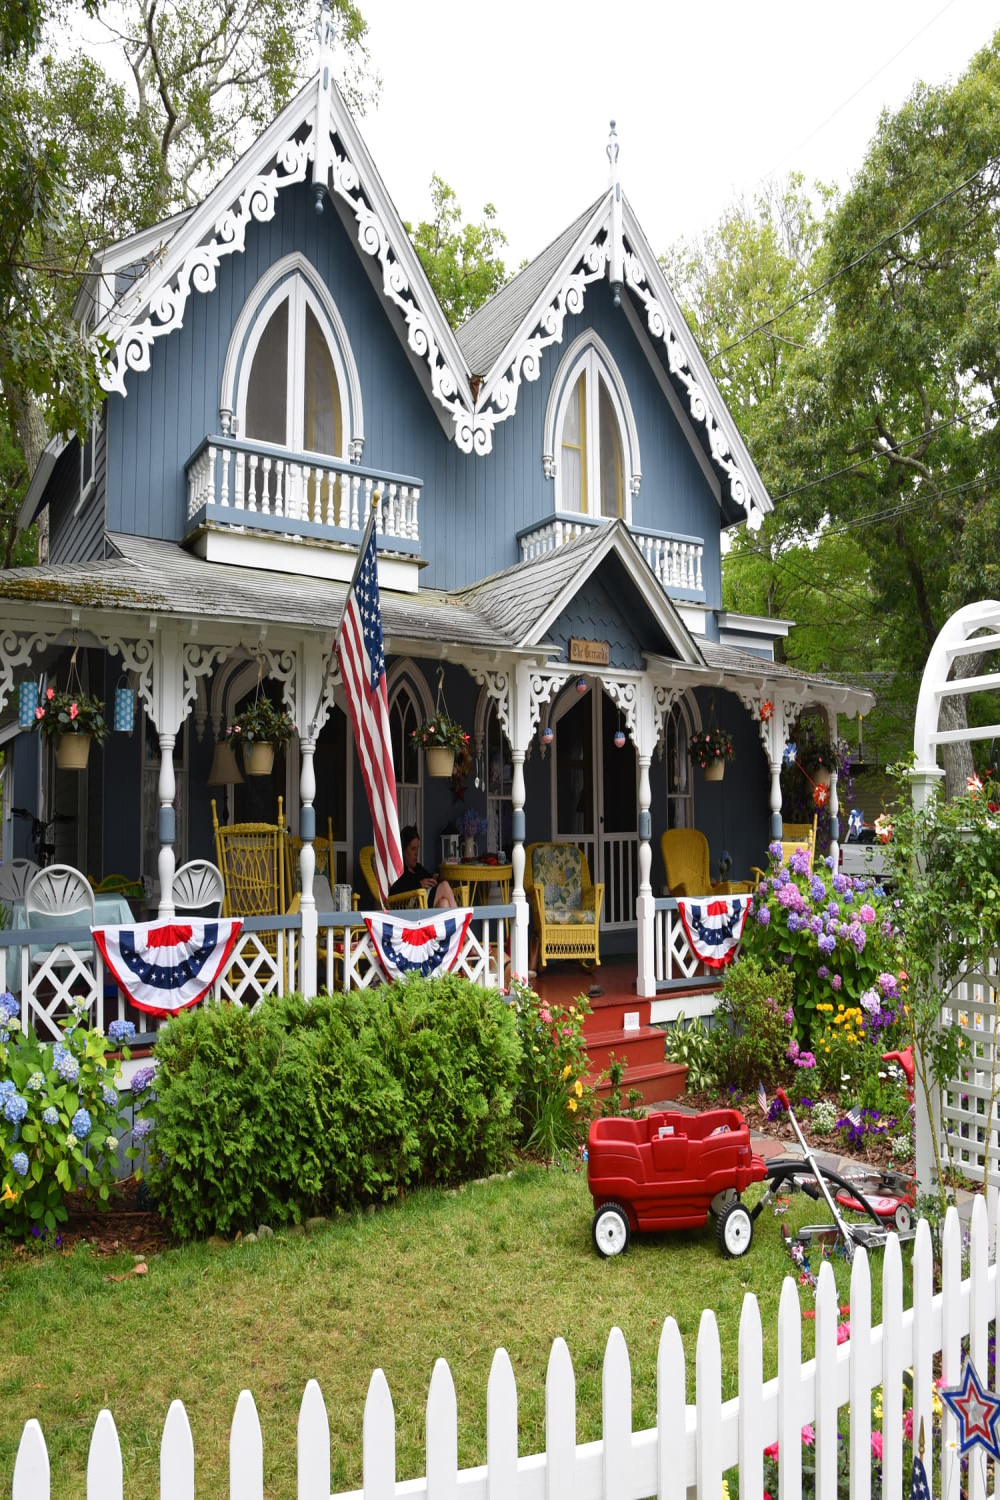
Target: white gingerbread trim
x=495, y=689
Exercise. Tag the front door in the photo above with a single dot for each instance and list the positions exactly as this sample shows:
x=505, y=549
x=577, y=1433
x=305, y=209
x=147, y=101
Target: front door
x=594, y=797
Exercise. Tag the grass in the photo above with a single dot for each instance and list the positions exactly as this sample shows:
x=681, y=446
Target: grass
x=508, y=1262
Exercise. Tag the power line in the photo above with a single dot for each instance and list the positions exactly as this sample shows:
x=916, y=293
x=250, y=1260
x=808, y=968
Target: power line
x=859, y=90
x=887, y=453
x=858, y=260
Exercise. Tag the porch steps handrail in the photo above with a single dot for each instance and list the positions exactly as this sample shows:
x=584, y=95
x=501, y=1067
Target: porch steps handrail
x=691, y=1447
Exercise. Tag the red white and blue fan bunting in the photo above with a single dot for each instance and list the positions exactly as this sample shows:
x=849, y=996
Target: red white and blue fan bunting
x=714, y=926
x=427, y=945
x=164, y=967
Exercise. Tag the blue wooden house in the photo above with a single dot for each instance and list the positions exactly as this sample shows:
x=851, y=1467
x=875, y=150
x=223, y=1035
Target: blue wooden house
x=555, y=481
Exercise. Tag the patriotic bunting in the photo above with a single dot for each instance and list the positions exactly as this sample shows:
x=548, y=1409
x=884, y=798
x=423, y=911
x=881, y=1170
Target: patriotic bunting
x=427, y=945
x=164, y=967
x=714, y=926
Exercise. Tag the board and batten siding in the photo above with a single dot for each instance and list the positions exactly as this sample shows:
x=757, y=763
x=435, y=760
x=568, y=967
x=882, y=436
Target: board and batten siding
x=471, y=508
x=76, y=532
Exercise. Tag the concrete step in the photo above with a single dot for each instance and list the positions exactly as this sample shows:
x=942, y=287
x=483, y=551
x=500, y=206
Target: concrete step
x=654, y=1081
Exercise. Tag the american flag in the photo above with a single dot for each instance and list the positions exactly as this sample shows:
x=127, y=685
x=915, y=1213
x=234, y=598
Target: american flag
x=919, y=1488
x=853, y=1116
x=361, y=655
x=762, y=1098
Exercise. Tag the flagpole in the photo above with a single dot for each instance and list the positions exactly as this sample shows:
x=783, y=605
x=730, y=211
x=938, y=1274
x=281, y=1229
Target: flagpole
x=372, y=518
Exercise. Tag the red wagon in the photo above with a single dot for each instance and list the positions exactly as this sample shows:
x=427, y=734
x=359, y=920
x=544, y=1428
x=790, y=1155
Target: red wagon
x=668, y=1171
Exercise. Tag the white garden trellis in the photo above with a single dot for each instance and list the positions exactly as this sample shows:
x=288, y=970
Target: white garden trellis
x=972, y=630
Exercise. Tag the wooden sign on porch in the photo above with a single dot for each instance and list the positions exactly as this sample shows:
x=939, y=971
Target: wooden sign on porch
x=593, y=653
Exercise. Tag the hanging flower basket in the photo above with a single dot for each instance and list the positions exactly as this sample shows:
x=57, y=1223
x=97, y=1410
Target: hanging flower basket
x=260, y=728
x=73, y=751
x=710, y=749
x=440, y=760
x=258, y=757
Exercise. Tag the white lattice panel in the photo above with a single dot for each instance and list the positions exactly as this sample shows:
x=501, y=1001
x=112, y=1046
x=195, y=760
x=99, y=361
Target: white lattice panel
x=672, y=955
x=52, y=980
x=261, y=964
x=970, y=1121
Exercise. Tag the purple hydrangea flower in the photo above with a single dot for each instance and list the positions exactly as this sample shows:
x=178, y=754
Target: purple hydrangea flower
x=858, y=937
x=887, y=984
x=822, y=972
x=141, y=1129
x=783, y=877
x=816, y=925
x=836, y=981
x=142, y=1078
x=799, y=862
x=774, y=849
x=833, y=908
x=817, y=888
x=841, y=884
x=870, y=1001
x=826, y=943
x=109, y=1096
x=828, y=861
x=793, y=922
x=763, y=917
x=867, y=914
x=805, y=1060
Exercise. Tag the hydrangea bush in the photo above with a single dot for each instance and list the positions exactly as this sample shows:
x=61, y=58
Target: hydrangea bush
x=60, y=1118
x=836, y=934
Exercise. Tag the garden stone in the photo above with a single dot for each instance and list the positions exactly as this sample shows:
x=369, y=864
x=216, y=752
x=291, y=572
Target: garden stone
x=370, y=1210
x=265, y=1232
x=295, y=1229
x=315, y=1224
x=250, y=1239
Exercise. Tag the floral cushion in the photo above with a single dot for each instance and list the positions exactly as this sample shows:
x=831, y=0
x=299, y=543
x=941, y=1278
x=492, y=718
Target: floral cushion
x=576, y=917
x=559, y=869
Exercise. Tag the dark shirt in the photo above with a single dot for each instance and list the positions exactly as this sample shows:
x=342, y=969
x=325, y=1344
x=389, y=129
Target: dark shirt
x=411, y=880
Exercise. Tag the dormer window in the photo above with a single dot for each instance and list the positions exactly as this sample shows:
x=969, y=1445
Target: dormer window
x=292, y=393
x=591, y=442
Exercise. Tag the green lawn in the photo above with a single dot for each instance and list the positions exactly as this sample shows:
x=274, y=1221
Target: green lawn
x=506, y=1263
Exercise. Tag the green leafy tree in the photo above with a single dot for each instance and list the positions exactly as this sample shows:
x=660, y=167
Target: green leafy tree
x=462, y=261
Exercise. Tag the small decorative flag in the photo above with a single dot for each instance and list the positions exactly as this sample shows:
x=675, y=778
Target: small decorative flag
x=164, y=967
x=27, y=702
x=853, y=1117
x=427, y=945
x=714, y=926
x=977, y=1410
x=762, y=1098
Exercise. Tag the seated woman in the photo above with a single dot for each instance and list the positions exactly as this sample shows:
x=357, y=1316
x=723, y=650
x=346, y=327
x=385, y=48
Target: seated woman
x=439, y=892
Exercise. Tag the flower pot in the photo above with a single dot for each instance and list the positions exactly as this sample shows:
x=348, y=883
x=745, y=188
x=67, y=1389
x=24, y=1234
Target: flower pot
x=258, y=758
x=440, y=760
x=72, y=752
x=715, y=770
x=470, y=849
x=822, y=776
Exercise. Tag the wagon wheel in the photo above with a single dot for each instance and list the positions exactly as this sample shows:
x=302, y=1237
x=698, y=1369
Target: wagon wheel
x=734, y=1230
x=611, y=1231
x=784, y=1172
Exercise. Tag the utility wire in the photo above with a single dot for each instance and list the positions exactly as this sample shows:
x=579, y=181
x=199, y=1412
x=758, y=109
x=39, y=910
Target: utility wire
x=887, y=453
x=859, y=90
x=857, y=261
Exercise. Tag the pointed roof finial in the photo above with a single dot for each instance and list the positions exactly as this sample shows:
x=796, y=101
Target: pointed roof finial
x=325, y=28
x=327, y=36
x=612, y=152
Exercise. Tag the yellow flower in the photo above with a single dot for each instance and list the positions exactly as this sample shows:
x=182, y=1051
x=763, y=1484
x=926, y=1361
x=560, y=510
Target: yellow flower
x=578, y=1089
x=9, y=1194
x=571, y=1105
x=567, y=1070
x=877, y=1409
x=725, y=1489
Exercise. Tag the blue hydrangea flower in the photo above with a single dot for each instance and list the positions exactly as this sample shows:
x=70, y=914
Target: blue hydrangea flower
x=141, y=1079
x=36, y=1082
x=80, y=1124
x=817, y=888
x=826, y=943
x=68, y=1069
x=783, y=877
x=9, y=1006
x=50, y=1116
x=793, y=922
x=775, y=850
x=58, y=1053
x=15, y=1107
x=763, y=916
x=7, y=1087
x=141, y=1129
x=121, y=1031
x=110, y=1096
x=20, y=1163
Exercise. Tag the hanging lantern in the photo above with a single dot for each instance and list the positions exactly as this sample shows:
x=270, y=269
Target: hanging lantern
x=548, y=735
x=619, y=739
x=581, y=684
x=27, y=703
x=124, y=715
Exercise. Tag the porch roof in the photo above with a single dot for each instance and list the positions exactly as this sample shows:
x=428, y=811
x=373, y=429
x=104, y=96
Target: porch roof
x=729, y=667
x=157, y=577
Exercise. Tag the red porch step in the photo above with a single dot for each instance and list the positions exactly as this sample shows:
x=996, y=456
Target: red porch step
x=655, y=1082
x=619, y=1025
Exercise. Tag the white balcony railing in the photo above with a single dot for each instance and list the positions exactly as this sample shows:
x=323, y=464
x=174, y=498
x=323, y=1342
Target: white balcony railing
x=675, y=559
x=258, y=483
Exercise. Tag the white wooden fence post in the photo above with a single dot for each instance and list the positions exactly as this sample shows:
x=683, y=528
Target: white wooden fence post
x=246, y=1452
x=751, y=1376
x=616, y=1418
x=671, y=1415
x=379, y=1441
x=826, y=1384
x=708, y=1390
x=560, y=1424
x=442, y=1435
x=104, y=1461
x=789, y=1392
x=177, y=1455
x=32, y=1480
x=313, y=1456
x=501, y=1429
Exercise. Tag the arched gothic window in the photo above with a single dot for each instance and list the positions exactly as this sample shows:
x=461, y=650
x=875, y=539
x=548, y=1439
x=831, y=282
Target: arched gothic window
x=677, y=733
x=404, y=716
x=292, y=382
x=591, y=443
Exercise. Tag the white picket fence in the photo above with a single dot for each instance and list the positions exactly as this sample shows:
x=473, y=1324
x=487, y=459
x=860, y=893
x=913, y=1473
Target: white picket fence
x=691, y=1447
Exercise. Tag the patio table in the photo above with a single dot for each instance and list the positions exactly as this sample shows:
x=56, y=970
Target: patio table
x=478, y=873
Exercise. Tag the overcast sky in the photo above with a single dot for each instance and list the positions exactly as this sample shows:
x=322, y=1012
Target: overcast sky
x=510, y=104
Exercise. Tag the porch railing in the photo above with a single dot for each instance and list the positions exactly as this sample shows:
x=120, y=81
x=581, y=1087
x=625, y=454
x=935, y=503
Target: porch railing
x=675, y=965
x=308, y=494
x=49, y=968
x=676, y=559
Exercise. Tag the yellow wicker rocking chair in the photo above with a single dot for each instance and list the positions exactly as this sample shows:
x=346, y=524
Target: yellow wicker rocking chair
x=565, y=906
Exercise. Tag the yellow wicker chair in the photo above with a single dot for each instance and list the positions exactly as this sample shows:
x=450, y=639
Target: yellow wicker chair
x=323, y=850
x=404, y=899
x=565, y=906
x=793, y=836
x=251, y=857
x=686, y=862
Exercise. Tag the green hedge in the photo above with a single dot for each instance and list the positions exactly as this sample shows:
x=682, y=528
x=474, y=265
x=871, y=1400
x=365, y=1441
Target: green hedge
x=301, y=1108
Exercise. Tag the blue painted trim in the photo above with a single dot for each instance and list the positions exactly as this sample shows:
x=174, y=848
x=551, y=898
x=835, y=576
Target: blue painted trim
x=645, y=825
x=166, y=825
x=292, y=456
x=307, y=824
x=253, y=520
x=517, y=825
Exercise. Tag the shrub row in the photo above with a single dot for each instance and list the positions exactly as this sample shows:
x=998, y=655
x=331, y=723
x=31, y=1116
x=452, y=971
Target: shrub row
x=297, y=1108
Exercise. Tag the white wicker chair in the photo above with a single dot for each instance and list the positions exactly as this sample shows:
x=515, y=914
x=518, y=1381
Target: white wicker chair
x=14, y=879
x=197, y=885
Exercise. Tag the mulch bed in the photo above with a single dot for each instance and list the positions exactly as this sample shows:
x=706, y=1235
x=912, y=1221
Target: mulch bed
x=122, y=1228
x=872, y=1149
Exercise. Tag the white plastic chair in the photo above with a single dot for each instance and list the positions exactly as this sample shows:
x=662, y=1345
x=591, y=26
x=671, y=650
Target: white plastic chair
x=14, y=879
x=60, y=892
x=197, y=885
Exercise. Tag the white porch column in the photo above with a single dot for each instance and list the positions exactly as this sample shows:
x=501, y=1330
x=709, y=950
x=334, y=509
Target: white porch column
x=833, y=806
x=168, y=714
x=520, y=735
x=645, y=910
x=310, y=710
x=775, y=756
